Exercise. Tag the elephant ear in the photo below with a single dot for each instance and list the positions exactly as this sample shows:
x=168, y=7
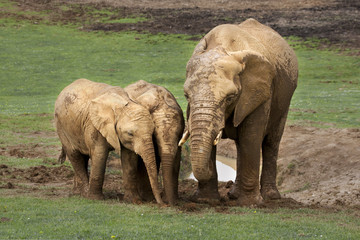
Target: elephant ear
x=200, y=47
x=256, y=81
x=102, y=115
x=148, y=100
x=170, y=101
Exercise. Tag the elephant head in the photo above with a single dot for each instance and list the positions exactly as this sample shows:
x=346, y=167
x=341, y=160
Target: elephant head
x=125, y=123
x=221, y=88
x=169, y=125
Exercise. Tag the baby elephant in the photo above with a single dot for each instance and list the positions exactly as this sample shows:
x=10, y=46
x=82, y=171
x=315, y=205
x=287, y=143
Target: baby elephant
x=169, y=125
x=94, y=118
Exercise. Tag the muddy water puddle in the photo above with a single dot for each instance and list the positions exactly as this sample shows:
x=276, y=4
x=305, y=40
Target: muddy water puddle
x=226, y=169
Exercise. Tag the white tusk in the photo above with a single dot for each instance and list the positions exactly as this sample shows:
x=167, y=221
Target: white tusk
x=184, y=138
x=218, y=137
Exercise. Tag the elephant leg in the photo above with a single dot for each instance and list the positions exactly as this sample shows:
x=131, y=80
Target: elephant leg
x=176, y=173
x=129, y=163
x=208, y=191
x=143, y=182
x=99, y=156
x=270, y=150
x=246, y=188
x=79, y=163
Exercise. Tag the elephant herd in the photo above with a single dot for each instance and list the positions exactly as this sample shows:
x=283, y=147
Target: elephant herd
x=239, y=84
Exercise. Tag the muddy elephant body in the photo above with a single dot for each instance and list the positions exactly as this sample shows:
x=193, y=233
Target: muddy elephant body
x=92, y=119
x=169, y=125
x=239, y=84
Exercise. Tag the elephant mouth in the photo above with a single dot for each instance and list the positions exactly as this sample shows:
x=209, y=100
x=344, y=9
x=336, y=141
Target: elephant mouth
x=186, y=136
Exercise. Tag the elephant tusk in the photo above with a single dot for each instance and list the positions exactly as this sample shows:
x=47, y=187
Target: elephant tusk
x=218, y=137
x=184, y=138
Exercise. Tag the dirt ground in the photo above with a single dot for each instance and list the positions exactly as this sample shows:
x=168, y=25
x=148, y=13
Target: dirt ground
x=337, y=21
x=316, y=167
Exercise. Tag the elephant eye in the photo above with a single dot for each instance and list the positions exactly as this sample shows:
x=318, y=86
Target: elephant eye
x=130, y=133
x=230, y=97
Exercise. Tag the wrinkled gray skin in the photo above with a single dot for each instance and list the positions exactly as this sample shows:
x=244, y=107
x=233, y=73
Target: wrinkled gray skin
x=92, y=119
x=239, y=82
x=169, y=125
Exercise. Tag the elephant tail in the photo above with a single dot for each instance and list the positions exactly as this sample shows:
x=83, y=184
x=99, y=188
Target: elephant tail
x=62, y=156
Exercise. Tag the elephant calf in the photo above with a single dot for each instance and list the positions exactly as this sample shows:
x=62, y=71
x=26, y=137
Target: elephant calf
x=92, y=119
x=169, y=125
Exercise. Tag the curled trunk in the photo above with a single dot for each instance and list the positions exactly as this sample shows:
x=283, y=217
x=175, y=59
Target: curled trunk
x=204, y=126
x=200, y=157
x=206, y=119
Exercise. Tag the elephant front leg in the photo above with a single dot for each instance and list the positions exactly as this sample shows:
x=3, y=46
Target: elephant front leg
x=97, y=172
x=129, y=163
x=246, y=190
x=208, y=191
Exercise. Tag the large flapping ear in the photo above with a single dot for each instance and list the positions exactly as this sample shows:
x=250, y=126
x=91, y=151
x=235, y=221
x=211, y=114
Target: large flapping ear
x=102, y=116
x=256, y=80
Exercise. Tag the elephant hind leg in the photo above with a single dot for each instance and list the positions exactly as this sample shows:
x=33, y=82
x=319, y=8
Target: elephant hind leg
x=79, y=163
x=143, y=183
x=270, y=150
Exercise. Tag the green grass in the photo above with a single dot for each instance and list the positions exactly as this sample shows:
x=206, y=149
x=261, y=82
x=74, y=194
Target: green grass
x=75, y=218
x=328, y=88
x=38, y=61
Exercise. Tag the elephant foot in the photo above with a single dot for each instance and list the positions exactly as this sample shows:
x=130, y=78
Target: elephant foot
x=207, y=193
x=132, y=198
x=146, y=195
x=270, y=193
x=80, y=190
x=96, y=196
x=245, y=198
x=170, y=200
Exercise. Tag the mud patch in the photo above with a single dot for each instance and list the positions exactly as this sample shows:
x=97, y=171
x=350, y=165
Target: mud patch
x=334, y=20
x=316, y=166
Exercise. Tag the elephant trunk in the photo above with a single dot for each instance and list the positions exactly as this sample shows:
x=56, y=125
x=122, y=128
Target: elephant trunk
x=170, y=175
x=148, y=156
x=204, y=128
x=200, y=157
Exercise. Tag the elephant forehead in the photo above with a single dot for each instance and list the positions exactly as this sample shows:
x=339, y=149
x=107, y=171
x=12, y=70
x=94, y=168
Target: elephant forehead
x=214, y=85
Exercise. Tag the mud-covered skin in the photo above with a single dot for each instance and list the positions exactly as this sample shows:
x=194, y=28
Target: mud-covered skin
x=240, y=80
x=169, y=125
x=92, y=119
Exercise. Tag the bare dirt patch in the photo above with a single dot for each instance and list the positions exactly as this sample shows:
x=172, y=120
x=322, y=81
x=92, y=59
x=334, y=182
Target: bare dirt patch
x=337, y=21
x=317, y=168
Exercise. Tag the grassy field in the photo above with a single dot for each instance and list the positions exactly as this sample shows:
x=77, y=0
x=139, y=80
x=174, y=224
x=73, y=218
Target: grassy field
x=76, y=218
x=38, y=60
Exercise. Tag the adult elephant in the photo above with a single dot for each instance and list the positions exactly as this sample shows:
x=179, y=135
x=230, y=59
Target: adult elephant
x=239, y=83
x=169, y=125
x=92, y=119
